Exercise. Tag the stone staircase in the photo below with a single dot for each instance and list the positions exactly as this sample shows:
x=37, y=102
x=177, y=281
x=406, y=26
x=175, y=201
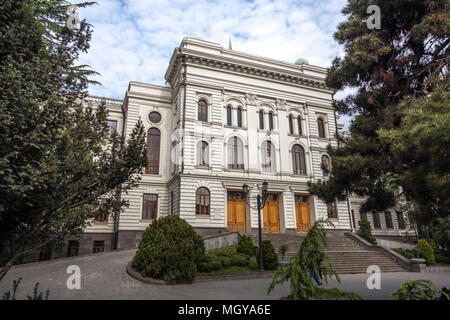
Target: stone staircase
x=346, y=255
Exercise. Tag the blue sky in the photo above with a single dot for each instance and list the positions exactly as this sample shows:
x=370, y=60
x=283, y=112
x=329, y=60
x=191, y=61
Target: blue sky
x=133, y=40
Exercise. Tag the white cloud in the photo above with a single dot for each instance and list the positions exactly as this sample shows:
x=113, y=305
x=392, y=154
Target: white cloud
x=133, y=40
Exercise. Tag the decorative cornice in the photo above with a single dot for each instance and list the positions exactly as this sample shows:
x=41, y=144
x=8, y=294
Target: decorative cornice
x=245, y=67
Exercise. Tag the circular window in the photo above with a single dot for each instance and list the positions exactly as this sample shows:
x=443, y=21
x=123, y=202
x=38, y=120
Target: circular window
x=154, y=117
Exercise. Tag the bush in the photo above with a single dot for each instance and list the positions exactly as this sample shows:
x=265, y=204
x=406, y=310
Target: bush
x=225, y=261
x=415, y=290
x=409, y=254
x=439, y=258
x=224, y=252
x=239, y=259
x=170, y=249
x=253, y=265
x=365, y=231
x=270, y=258
x=245, y=245
x=426, y=250
x=210, y=262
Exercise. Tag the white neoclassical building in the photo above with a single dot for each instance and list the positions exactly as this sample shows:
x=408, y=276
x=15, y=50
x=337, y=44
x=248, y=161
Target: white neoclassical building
x=223, y=119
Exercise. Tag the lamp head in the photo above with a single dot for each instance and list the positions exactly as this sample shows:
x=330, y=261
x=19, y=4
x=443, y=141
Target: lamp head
x=245, y=187
x=265, y=187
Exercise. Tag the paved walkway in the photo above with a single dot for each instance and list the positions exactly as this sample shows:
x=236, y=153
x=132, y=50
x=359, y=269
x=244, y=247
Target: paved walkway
x=103, y=276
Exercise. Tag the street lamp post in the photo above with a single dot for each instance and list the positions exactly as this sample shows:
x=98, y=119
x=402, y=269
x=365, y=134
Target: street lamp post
x=261, y=201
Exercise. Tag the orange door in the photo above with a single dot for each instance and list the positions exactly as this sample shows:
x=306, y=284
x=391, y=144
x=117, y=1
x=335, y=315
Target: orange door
x=302, y=214
x=271, y=215
x=235, y=213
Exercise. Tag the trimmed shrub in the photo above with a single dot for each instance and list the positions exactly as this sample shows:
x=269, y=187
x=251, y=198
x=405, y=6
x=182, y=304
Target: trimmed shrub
x=365, y=231
x=253, y=265
x=210, y=262
x=270, y=257
x=245, y=245
x=170, y=249
x=224, y=252
x=239, y=259
x=426, y=250
x=409, y=254
x=225, y=261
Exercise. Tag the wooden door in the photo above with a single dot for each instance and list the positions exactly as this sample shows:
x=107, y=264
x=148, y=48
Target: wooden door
x=302, y=214
x=271, y=215
x=235, y=212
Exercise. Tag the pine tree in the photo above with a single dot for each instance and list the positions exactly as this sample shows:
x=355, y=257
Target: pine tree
x=57, y=169
x=399, y=145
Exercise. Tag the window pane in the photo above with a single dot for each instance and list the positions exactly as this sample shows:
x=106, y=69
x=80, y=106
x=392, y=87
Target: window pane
x=270, y=121
x=261, y=120
x=239, y=117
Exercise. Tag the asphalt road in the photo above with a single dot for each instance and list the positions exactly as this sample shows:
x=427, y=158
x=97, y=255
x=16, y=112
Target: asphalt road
x=103, y=276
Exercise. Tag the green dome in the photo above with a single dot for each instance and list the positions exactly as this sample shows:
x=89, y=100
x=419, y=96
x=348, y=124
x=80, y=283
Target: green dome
x=301, y=61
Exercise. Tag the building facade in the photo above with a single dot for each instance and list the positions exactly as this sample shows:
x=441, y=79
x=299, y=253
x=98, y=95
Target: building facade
x=223, y=119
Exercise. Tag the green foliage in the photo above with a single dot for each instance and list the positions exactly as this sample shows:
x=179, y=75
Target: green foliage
x=226, y=261
x=35, y=296
x=426, y=251
x=408, y=253
x=283, y=249
x=55, y=163
x=245, y=245
x=311, y=256
x=240, y=259
x=441, y=232
x=210, y=263
x=365, y=231
x=170, y=249
x=415, y=290
x=225, y=251
x=253, y=264
x=439, y=258
x=270, y=257
x=398, y=148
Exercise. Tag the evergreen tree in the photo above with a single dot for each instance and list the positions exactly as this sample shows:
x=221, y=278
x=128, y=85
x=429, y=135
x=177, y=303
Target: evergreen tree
x=311, y=256
x=57, y=168
x=399, y=145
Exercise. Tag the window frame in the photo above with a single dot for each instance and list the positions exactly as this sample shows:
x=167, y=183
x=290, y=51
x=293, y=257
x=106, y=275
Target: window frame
x=202, y=111
x=328, y=165
x=291, y=124
x=203, y=154
x=299, y=155
x=153, y=138
x=261, y=119
x=239, y=117
x=268, y=153
x=270, y=120
x=147, y=213
x=236, y=147
x=299, y=123
x=377, y=221
x=109, y=131
x=332, y=212
x=205, y=208
x=321, y=128
x=229, y=116
x=98, y=246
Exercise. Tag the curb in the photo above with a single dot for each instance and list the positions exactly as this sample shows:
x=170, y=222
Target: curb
x=253, y=275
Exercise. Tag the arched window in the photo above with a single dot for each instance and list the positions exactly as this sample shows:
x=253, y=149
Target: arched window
x=153, y=142
x=325, y=162
x=239, y=117
x=321, y=128
x=299, y=123
x=202, y=201
x=202, y=154
x=298, y=159
x=270, y=121
x=261, y=119
x=229, y=120
x=268, y=157
x=235, y=153
x=202, y=111
x=291, y=124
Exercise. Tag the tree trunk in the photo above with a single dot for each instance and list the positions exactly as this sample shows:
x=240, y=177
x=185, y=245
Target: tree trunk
x=8, y=265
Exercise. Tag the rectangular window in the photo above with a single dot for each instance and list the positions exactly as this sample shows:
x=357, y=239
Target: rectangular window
x=388, y=218
x=112, y=127
x=376, y=220
x=363, y=216
x=72, y=248
x=102, y=217
x=150, y=206
x=401, y=221
x=332, y=210
x=99, y=246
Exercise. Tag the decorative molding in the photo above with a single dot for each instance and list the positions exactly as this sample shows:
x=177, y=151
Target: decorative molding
x=281, y=104
x=251, y=99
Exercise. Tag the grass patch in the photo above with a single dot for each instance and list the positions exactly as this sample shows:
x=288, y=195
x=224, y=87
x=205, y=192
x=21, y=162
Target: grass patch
x=228, y=271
